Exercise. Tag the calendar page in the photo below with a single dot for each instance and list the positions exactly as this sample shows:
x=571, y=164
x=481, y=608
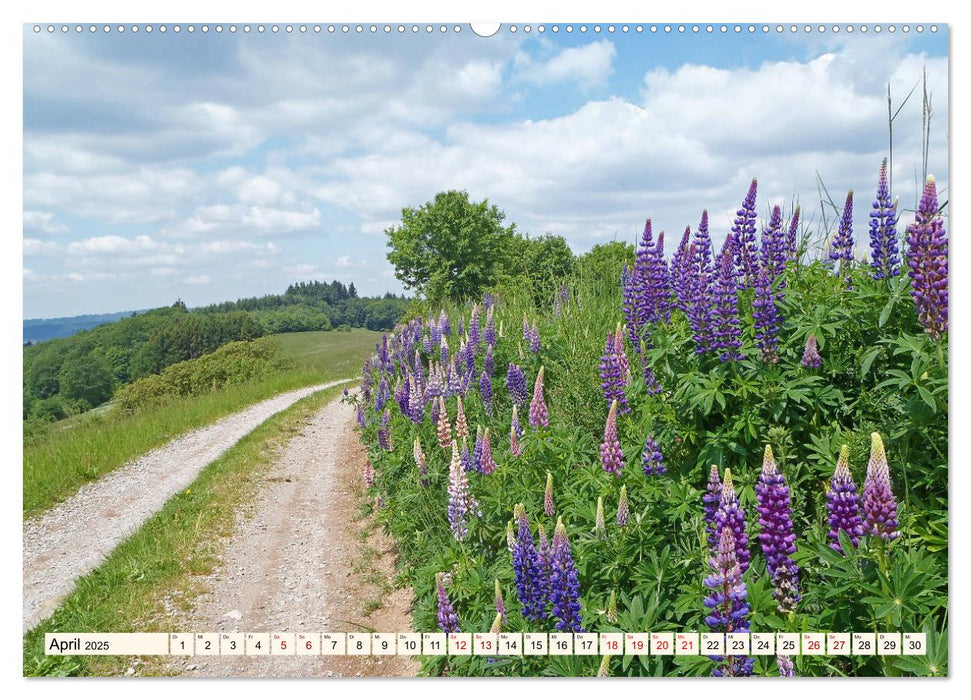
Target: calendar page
x=450, y=349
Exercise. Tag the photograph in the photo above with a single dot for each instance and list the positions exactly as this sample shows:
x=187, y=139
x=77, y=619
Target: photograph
x=544, y=349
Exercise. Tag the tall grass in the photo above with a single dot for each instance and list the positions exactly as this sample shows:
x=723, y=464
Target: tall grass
x=64, y=457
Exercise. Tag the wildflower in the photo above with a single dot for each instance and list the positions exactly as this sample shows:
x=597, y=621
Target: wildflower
x=475, y=329
x=360, y=416
x=681, y=270
x=743, y=238
x=564, y=584
x=612, y=608
x=777, y=537
x=842, y=247
x=527, y=331
x=538, y=415
x=448, y=621
x=927, y=260
x=599, y=524
x=368, y=474
x=623, y=507
x=485, y=390
x=786, y=667
x=458, y=497
x=711, y=500
x=622, y=363
x=611, y=456
x=384, y=431
x=611, y=376
x=652, y=458
x=879, y=504
x=516, y=384
x=648, y=291
x=545, y=559
x=728, y=602
x=489, y=334
x=510, y=537
x=843, y=504
x=489, y=364
x=477, y=449
x=810, y=354
x=548, y=506
x=487, y=464
x=461, y=424
x=700, y=303
x=773, y=251
x=730, y=514
x=766, y=317
x=534, y=344
x=444, y=323
x=444, y=428
x=528, y=570
x=420, y=462
x=792, y=245
x=604, y=670
x=725, y=324
x=500, y=603
x=883, y=231
x=443, y=352
x=514, y=432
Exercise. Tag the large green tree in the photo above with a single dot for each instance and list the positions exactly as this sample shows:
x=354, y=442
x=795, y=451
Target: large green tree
x=450, y=248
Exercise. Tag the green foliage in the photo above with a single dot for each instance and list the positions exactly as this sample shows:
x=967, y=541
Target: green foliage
x=536, y=265
x=449, y=249
x=880, y=373
x=87, y=379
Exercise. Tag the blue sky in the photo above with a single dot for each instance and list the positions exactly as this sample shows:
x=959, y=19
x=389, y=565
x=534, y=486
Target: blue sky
x=214, y=166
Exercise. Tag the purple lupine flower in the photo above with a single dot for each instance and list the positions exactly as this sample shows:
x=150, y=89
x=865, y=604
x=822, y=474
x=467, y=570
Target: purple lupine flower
x=477, y=449
x=538, y=414
x=444, y=323
x=773, y=251
x=730, y=514
x=841, y=252
x=879, y=504
x=766, y=317
x=416, y=404
x=514, y=447
x=489, y=334
x=444, y=428
x=455, y=377
x=458, y=497
x=786, y=667
x=489, y=364
x=652, y=458
x=843, y=504
x=548, y=507
x=485, y=391
x=466, y=458
x=500, y=603
x=475, y=329
x=637, y=301
x=443, y=352
x=545, y=559
x=728, y=602
x=448, y=621
x=622, y=362
x=927, y=260
x=564, y=583
x=526, y=564
x=623, y=507
x=681, y=271
x=527, y=331
x=487, y=464
x=436, y=412
x=384, y=430
x=401, y=395
x=700, y=305
x=368, y=474
x=611, y=456
x=516, y=384
x=360, y=416
x=810, y=354
x=776, y=536
x=711, y=499
x=885, y=259
x=534, y=344
x=611, y=374
x=792, y=245
x=744, y=248
x=435, y=332
x=726, y=329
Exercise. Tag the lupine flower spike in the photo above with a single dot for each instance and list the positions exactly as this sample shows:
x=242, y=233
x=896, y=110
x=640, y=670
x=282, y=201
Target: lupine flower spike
x=466, y=457
x=538, y=415
x=786, y=667
x=623, y=507
x=548, y=506
x=530, y=582
x=611, y=456
x=728, y=602
x=842, y=249
x=604, y=670
x=564, y=584
x=514, y=431
x=485, y=391
x=420, y=462
x=496, y=627
x=927, y=260
x=510, y=537
x=612, y=608
x=368, y=474
x=879, y=504
x=810, y=354
x=883, y=231
x=486, y=463
x=458, y=496
x=711, y=499
x=500, y=603
x=843, y=504
x=652, y=458
x=516, y=384
x=600, y=525
x=461, y=423
x=730, y=514
x=776, y=537
x=444, y=429
x=448, y=621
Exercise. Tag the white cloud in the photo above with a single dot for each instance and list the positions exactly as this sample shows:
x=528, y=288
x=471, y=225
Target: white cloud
x=43, y=222
x=589, y=65
x=197, y=279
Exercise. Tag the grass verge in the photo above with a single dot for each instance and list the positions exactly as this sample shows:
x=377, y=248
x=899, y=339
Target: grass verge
x=158, y=563
x=65, y=457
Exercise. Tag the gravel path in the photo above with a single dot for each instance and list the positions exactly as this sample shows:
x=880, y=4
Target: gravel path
x=72, y=538
x=303, y=560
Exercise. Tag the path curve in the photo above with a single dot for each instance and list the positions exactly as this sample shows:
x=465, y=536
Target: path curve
x=72, y=538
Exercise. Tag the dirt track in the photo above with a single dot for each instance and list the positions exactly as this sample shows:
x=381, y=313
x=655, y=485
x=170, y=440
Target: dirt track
x=303, y=560
x=72, y=538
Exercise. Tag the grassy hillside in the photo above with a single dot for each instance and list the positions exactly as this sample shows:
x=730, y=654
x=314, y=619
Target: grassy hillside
x=58, y=460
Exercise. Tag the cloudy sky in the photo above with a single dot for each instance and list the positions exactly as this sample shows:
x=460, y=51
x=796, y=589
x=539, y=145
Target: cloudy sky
x=214, y=166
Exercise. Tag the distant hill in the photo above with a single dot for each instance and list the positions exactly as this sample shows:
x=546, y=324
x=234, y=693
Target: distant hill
x=40, y=329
